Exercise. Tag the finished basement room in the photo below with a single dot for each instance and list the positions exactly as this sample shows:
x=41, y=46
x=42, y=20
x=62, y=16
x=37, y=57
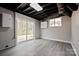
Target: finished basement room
x=39, y=29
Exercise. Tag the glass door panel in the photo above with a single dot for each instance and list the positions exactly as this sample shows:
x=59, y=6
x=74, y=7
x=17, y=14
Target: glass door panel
x=30, y=30
x=21, y=30
x=24, y=28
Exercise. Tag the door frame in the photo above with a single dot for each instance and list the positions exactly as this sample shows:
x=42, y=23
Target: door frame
x=15, y=27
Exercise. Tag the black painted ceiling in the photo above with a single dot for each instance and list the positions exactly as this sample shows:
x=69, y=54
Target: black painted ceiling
x=49, y=9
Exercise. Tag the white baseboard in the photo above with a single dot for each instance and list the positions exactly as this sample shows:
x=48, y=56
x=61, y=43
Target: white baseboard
x=58, y=40
x=74, y=49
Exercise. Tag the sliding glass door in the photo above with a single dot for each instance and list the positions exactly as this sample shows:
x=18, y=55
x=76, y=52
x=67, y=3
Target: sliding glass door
x=24, y=29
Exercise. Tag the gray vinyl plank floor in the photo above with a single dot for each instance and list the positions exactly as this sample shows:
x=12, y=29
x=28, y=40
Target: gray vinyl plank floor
x=39, y=47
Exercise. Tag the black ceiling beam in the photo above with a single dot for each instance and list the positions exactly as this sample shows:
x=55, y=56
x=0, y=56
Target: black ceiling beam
x=72, y=6
x=32, y=12
x=43, y=15
x=43, y=6
x=52, y=11
x=67, y=12
x=36, y=17
x=54, y=15
x=44, y=11
x=46, y=5
x=29, y=8
x=60, y=8
x=22, y=6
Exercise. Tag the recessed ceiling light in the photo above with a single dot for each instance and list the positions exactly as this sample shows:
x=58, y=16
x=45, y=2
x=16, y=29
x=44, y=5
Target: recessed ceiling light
x=36, y=6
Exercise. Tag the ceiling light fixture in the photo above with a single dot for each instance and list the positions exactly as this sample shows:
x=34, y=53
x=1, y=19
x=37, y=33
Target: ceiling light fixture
x=36, y=6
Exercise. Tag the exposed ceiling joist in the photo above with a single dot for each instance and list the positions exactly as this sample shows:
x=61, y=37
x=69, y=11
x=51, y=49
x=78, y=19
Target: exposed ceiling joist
x=21, y=5
x=32, y=12
x=44, y=11
x=60, y=8
x=29, y=8
x=49, y=9
x=72, y=6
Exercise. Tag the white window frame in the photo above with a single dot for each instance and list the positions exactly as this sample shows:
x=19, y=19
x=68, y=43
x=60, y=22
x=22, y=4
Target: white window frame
x=44, y=24
x=53, y=22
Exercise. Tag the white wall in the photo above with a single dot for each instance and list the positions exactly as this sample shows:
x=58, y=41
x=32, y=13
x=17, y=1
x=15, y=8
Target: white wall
x=36, y=27
x=37, y=30
x=7, y=34
x=75, y=30
x=58, y=33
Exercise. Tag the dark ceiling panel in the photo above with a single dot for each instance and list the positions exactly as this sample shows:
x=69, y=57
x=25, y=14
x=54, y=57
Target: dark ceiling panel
x=49, y=9
x=11, y=6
